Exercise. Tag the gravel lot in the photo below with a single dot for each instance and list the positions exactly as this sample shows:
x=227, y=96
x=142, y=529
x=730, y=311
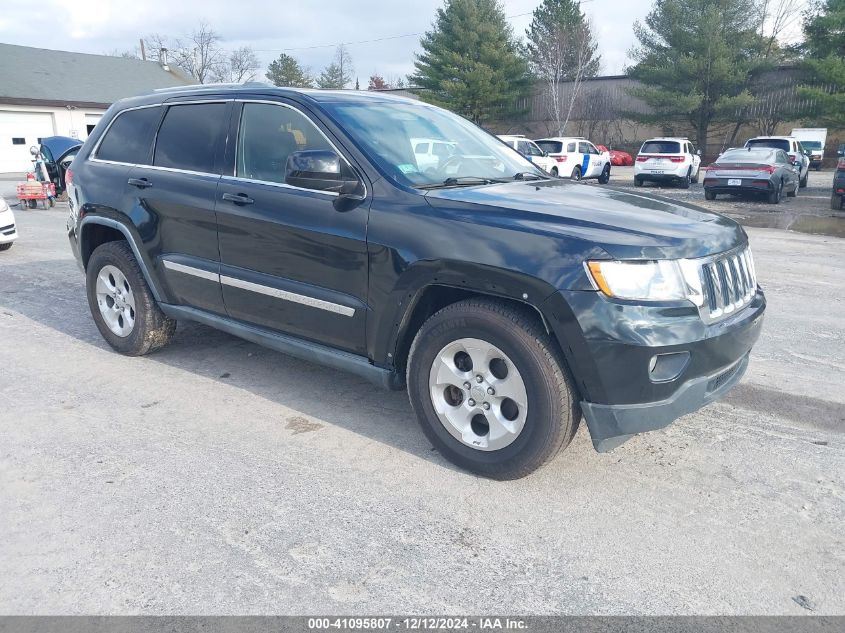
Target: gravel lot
x=220, y=477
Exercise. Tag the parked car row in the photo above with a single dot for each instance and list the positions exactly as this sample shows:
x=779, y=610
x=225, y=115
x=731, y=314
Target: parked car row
x=566, y=156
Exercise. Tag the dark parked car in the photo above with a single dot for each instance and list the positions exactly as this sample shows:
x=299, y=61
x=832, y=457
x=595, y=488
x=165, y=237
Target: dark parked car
x=755, y=171
x=509, y=302
x=58, y=153
x=838, y=186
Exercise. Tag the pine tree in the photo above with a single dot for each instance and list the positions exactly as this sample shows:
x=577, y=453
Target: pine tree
x=286, y=71
x=695, y=60
x=824, y=45
x=471, y=63
x=338, y=74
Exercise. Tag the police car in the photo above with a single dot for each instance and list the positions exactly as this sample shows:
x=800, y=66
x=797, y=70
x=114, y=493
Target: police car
x=530, y=150
x=577, y=158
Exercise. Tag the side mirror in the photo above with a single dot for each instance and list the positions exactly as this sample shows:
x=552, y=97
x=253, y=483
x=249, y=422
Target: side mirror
x=796, y=163
x=321, y=170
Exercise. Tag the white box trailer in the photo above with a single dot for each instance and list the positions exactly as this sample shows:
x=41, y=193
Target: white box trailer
x=813, y=139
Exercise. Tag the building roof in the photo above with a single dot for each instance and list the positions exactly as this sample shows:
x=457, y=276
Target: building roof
x=37, y=76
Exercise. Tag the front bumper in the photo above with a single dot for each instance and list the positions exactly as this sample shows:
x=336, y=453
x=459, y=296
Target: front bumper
x=610, y=345
x=8, y=228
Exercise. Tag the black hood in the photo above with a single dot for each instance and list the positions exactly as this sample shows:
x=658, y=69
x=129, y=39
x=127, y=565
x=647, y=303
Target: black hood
x=626, y=224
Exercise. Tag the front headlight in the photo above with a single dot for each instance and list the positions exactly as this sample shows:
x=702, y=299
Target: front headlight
x=661, y=280
x=3, y=205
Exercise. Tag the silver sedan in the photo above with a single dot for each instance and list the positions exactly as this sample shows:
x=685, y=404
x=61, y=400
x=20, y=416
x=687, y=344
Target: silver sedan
x=758, y=171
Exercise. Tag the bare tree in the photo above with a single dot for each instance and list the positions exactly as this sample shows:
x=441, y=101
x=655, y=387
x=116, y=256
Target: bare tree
x=776, y=16
x=242, y=65
x=583, y=36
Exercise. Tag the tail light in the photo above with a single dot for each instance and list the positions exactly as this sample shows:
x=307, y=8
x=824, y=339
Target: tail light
x=69, y=177
x=642, y=159
x=560, y=159
x=676, y=159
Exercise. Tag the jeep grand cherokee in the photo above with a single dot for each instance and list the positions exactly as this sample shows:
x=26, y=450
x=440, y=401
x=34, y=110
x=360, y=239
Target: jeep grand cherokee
x=509, y=302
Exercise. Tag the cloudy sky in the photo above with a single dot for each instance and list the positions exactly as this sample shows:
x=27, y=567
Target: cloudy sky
x=307, y=29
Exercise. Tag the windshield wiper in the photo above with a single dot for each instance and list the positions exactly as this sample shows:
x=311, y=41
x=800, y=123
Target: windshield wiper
x=462, y=181
x=527, y=175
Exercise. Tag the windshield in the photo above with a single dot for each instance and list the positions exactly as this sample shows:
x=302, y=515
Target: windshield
x=776, y=143
x=812, y=144
x=661, y=147
x=421, y=145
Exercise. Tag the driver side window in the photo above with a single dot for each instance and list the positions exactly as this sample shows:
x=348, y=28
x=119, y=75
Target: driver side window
x=268, y=135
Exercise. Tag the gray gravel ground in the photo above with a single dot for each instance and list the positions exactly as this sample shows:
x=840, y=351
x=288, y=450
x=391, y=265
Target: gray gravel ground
x=220, y=477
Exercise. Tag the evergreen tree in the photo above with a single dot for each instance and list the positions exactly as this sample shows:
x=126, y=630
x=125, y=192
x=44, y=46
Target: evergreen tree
x=824, y=46
x=338, y=74
x=696, y=59
x=470, y=61
x=286, y=71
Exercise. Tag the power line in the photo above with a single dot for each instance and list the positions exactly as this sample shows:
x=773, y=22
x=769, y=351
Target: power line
x=378, y=39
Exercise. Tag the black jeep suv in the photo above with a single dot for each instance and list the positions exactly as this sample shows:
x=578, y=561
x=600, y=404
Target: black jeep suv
x=318, y=224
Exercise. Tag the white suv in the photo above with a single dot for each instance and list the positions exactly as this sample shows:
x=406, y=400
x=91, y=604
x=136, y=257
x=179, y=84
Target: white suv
x=530, y=150
x=577, y=158
x=669, y=159
x=8, y=230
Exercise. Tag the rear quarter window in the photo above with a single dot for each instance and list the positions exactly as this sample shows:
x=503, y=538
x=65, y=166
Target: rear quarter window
x=129, y=137
x=188, y=136
x=551, y=147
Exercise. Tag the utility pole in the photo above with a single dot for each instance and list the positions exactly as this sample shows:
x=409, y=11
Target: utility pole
x=143, y=51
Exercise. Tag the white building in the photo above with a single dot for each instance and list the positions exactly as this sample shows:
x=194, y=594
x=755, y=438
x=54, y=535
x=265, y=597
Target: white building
x=59, y=93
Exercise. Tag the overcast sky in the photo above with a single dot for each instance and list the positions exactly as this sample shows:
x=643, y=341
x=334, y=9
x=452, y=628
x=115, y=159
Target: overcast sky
x=309, y=30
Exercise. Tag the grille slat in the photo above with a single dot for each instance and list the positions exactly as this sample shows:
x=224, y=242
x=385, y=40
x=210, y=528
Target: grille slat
x=728, y=283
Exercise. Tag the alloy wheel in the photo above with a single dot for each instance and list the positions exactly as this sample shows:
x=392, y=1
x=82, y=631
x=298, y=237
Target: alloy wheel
x=478, y=394
x=115, y=300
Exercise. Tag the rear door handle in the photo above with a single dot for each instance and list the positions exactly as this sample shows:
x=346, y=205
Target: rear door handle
x=238, y=198
x=141, y=183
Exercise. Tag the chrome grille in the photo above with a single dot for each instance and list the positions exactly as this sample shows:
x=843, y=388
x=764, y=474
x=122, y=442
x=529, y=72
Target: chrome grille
x=728, y=283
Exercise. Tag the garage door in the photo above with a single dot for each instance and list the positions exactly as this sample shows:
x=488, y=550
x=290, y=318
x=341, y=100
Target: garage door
x=18, y=132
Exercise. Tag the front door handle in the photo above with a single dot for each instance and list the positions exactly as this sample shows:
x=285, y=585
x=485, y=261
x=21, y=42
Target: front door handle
x=141, y=183
x=238, y=198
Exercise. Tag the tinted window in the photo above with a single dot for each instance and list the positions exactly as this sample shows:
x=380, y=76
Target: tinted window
x=268, y=135
x=129, y=137
x=661, y=147
x=570, y=147
x=811, y=144
x=533, y=150
x=421, y=148
x=551, y=147
x=523, y=147
x=775, y=143
x=188, y=136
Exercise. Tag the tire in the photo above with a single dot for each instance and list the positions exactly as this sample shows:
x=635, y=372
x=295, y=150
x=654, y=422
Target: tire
x=794, y=192
x=6, y=246
x=638, y=182
x=151, y=329
x=32, y=204
x=777, y=195
x=709, y=195
x=685, y=181
x=605, y=175
x=576, y=173
x=554, y=172
x=835, y=202
x=695, y=178
x=802, y=182
x=550, y=414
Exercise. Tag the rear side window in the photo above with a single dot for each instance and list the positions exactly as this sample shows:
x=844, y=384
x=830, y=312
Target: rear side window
x=129, y=137
x=188, y=136
x=774, y=143
x=570, y=147
x=421, y=148
x=661, y=147
x=551, y=147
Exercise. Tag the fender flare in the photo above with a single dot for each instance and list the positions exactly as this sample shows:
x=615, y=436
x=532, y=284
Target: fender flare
x=114, y=224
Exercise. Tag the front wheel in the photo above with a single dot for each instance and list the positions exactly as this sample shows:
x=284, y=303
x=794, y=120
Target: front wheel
x=576, y=173
x=794, y=192
x=124, y=309
x=694, y=179
x=604, y=178
x=685, y=181
x=836, y=202
x=490, y=389
x=802, y=182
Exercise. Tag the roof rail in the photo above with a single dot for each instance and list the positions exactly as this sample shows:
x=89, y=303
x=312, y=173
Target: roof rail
x=220, y=86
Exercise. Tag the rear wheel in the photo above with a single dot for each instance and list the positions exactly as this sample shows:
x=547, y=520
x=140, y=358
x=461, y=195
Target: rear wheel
x=124, y=309
x=605, y=175
x=685, y=181
x=777, y=194
x=638, y=182
x=709, y=195
x=489, y=388
x=836, y=202
x=576, y=173
x=554, y=172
